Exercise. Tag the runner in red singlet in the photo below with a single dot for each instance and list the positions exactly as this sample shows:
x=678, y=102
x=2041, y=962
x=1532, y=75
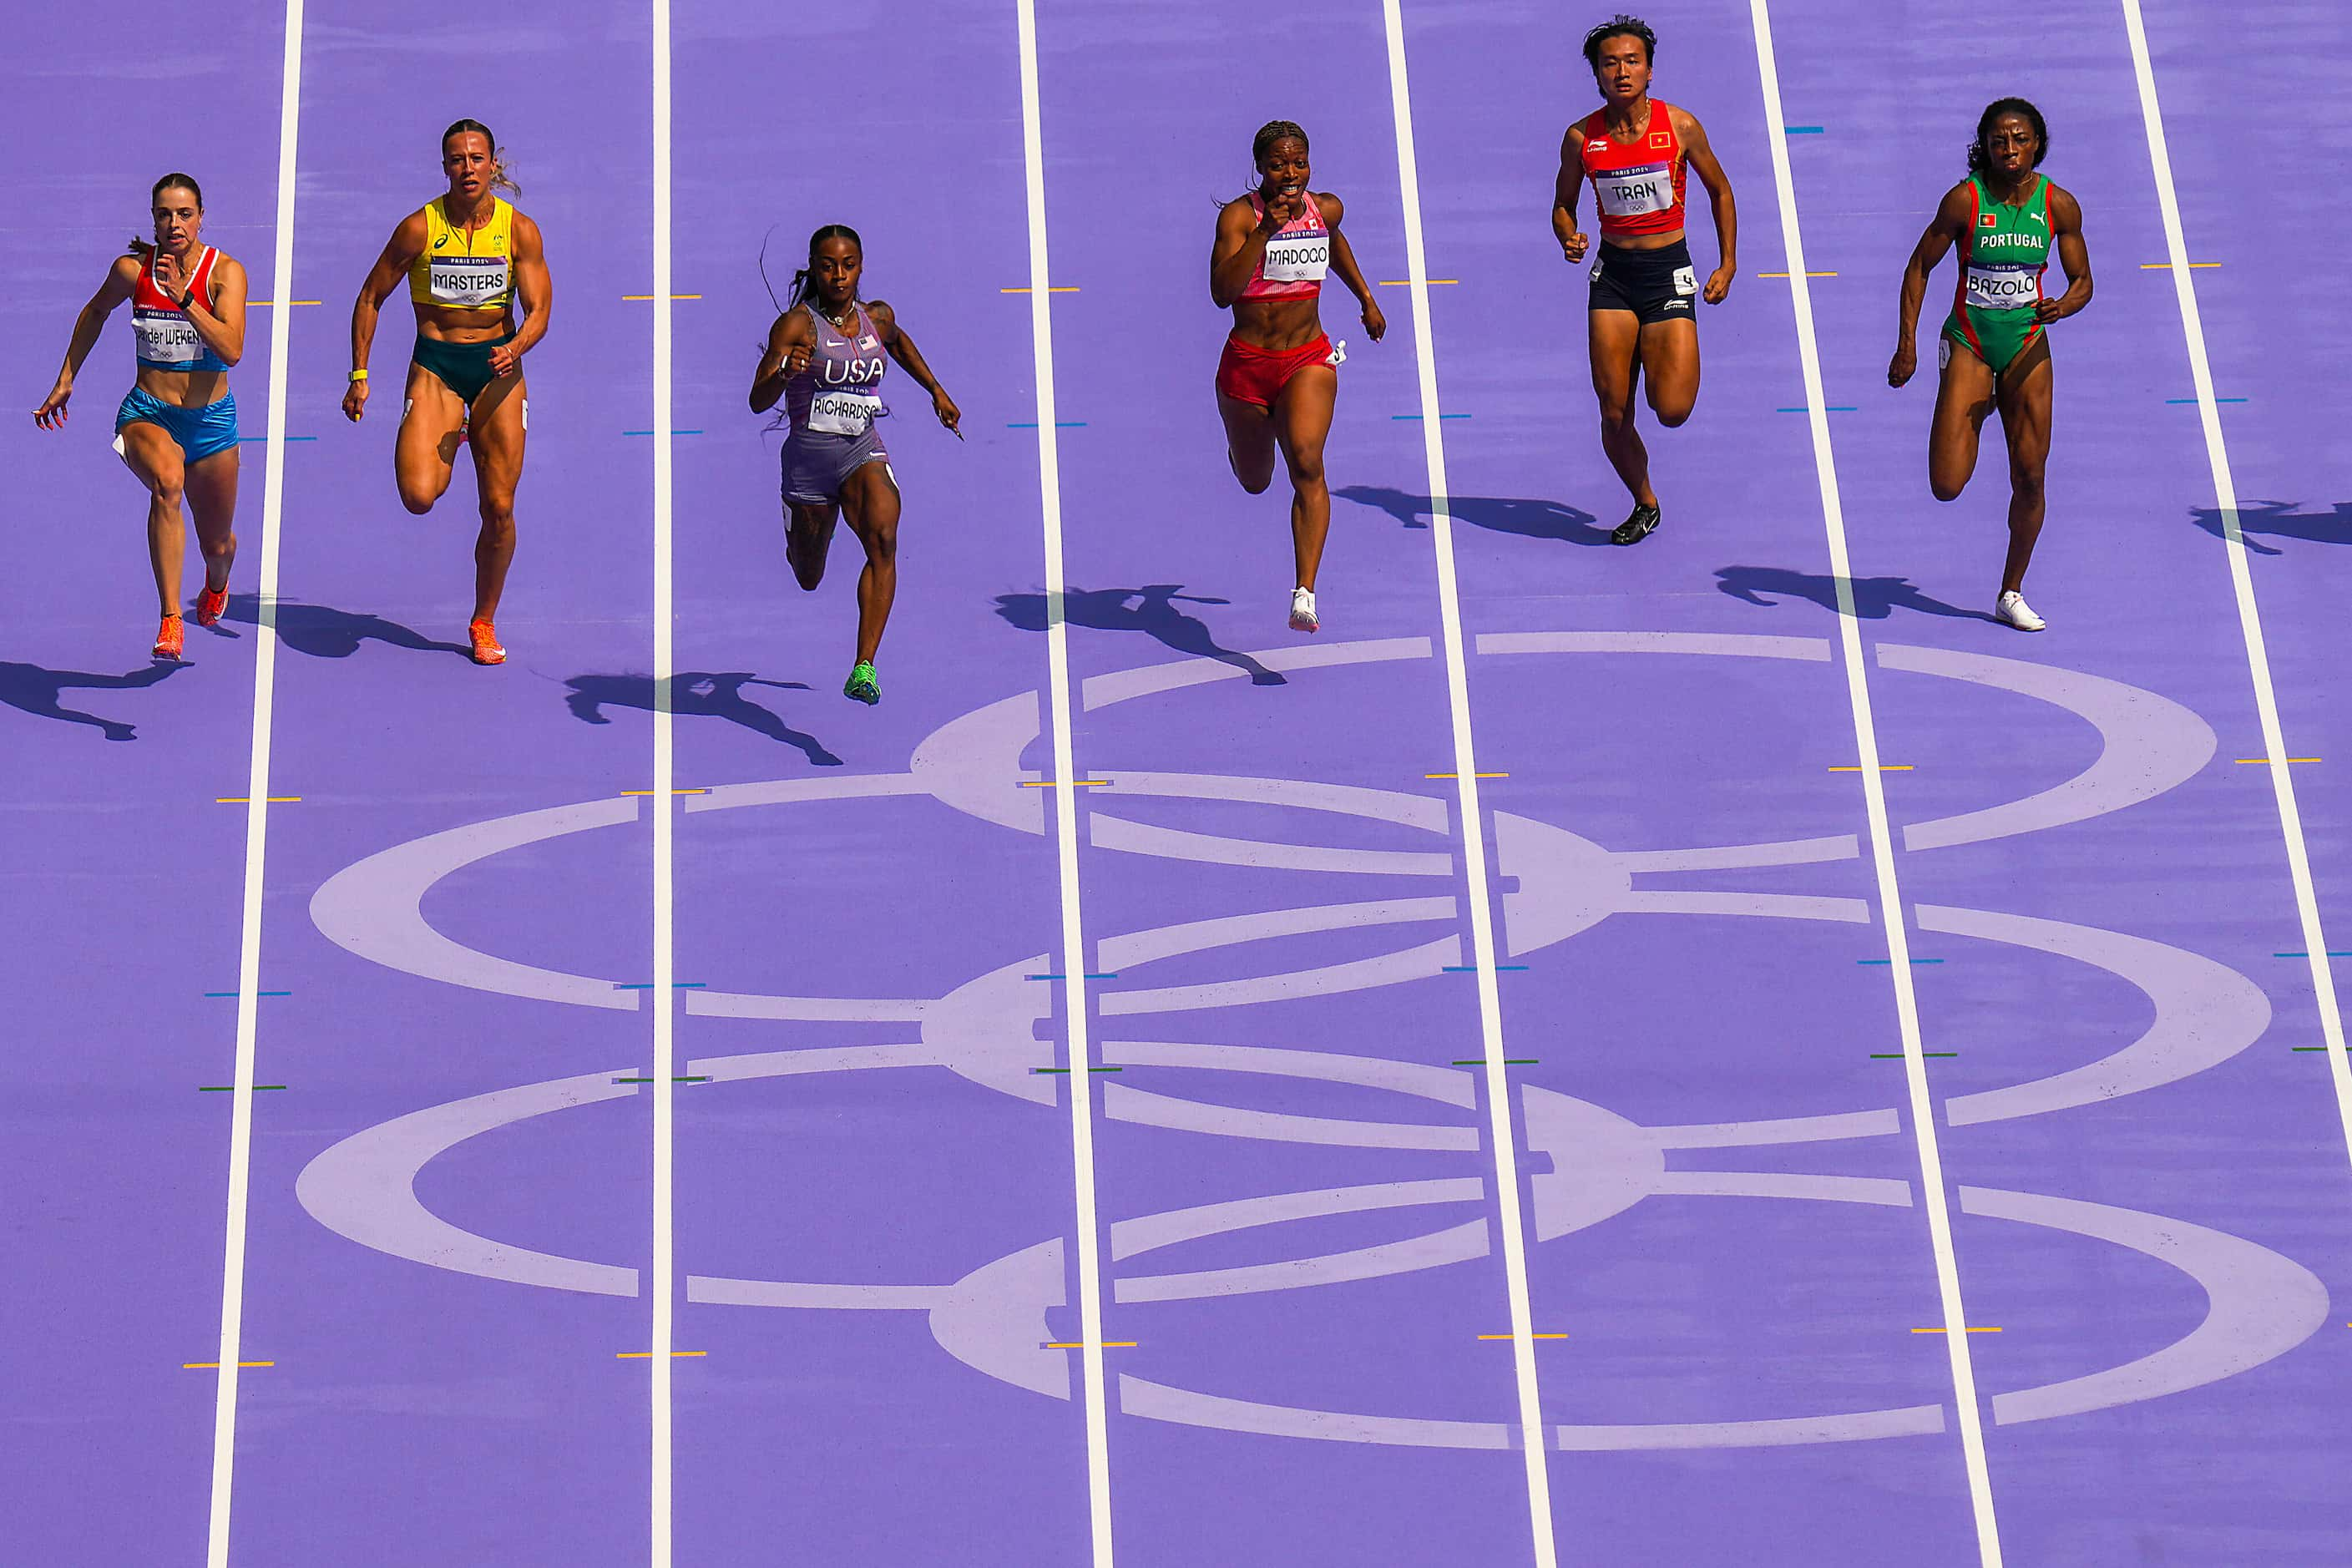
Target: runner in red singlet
x=1277, y=381
x=1635, y=151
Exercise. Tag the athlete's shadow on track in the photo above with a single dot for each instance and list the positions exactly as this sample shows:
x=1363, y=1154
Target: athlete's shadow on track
x=696, y=694
x=322, y=631
x=1527, y=519
x=31, y=688
x=1150, y=609
x=1874, y=598
x=2280, y=518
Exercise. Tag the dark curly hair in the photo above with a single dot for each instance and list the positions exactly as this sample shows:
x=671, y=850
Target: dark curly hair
x=1620, y=24
x=1980, y=159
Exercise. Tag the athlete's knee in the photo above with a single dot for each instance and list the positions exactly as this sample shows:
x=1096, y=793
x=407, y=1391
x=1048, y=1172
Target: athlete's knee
x=417, y=498
x=1673, y=412
x=221, y=546
x=1306, y=470
x=498, y=517
x=1616, y=420
x=2025, y=478
x=1946, y=487
x=169, y=489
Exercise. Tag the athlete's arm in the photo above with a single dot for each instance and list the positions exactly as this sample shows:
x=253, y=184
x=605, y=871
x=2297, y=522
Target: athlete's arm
x=1718, y=199
x=122, y=279
x=910, y=359
x=1240, y=245
x=1943, y=230
x=2066, y=234
x=1343, y=262
x=220, y=320
x=789, y=342
x=1572, y=239
x=400, y=253
x=534, y=289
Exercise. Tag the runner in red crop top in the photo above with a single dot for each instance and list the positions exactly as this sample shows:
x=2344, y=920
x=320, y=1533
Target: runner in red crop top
x=1277, y=381
x=1636, y=152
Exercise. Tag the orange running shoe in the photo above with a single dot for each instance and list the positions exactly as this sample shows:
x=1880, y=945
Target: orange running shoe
x=168, y=637
x=484, y=639
x=209, y=605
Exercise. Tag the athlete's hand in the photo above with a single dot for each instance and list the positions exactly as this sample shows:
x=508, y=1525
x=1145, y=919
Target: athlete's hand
x=506, y=360
x=2048, y=310
x=944, y=406
x=1575, y=245
x=355, y=401
x=1374, y=323
x=1906, y=361
x=796, y=358
x=1280, y=210
x=51, y=414
x=1718, y=284
x=168, y=276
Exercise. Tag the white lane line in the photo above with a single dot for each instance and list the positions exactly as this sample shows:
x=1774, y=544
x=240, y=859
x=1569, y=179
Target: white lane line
x=256, y=811
x=2250, y=618
x=1936, y=1202
x=1079, y=1086
x=1532, y=1439
x=664, y=806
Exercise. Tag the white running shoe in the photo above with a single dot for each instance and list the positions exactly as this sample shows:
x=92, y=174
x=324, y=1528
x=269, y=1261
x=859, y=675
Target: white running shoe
x=2011, y=609
x=1302, y=610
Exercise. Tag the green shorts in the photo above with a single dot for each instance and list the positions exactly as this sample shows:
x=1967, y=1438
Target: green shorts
x=1996, y=337
x=464, y=368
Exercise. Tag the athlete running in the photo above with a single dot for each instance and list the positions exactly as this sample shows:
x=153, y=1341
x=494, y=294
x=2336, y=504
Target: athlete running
x=824, y=358
x=1276, y=383
x=469, y=259
x=1994, y=352
x=1635, y=150
x=178, y=429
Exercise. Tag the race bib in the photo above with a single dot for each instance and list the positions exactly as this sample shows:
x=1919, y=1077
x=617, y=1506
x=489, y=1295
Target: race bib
x=843, y=412
x=1686, y=281
x=165, y=337
x=469, y=279
x=1631, y=193
x=2003, y=288
x=1298, y=257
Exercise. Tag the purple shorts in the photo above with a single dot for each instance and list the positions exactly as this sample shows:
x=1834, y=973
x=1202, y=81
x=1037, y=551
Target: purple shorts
x=817, y=465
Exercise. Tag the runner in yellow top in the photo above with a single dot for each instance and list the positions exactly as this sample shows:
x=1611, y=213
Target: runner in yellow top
x=469, y=259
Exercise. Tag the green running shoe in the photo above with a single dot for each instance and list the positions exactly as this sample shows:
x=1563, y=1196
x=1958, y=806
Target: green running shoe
x=861, y=686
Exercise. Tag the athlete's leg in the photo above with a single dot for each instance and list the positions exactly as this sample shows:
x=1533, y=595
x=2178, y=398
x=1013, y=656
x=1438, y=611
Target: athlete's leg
x=1616, y=338
x=869, y=501
x=1302, y=420
x=427, y=446
x=1964, y=395
x=808, y=539
x=1249, y=442
x=498, y=439
x=156, y=458
x=1670, y=368
x=211, y=487
x=2025, y=402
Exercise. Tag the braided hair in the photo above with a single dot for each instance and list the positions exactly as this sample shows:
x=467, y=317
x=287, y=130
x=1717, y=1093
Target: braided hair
x=1979, y=154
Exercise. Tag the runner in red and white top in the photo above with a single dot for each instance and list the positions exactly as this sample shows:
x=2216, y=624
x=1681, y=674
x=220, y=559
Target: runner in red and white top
x=1277, y=379
x=1638, y=153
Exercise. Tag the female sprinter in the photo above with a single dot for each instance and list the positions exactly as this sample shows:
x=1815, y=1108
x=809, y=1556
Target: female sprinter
x=178, y=429
x=825, y=360
x=469, y=257
x=1276, y=381
x=1994, y=352
x=1634, y=149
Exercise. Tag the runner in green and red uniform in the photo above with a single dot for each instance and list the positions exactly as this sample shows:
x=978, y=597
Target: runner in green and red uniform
x=1994, y=350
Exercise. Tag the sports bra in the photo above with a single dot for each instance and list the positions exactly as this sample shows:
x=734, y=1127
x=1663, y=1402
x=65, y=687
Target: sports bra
x=1638, y=185
x=1297, y=255
x=162, y=335
x=463, y=269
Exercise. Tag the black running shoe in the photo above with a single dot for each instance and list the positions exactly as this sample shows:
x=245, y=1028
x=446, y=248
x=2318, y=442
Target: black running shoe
x=1639, y=526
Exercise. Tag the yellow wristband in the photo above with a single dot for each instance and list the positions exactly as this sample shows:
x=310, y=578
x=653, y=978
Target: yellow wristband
x=358, y=375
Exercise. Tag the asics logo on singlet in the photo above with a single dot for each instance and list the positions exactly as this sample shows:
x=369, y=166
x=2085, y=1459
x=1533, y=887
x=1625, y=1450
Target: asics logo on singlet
x=440, y=242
